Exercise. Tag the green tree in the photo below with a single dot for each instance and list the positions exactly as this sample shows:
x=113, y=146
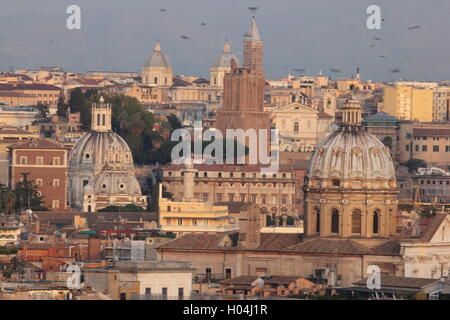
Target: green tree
x=174, y=122
x=61, y=108
x=42, y=114
x=26, y=196
x=414, y=164
x=387, y=141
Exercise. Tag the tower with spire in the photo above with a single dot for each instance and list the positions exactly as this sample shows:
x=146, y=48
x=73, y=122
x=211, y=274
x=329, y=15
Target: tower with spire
x=243, y=93
x=253, y=50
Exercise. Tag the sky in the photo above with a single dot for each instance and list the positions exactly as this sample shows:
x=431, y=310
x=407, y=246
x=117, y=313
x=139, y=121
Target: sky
x=315, y=35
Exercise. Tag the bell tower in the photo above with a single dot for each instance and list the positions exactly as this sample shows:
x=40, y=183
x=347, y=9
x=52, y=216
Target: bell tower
x=101, y=116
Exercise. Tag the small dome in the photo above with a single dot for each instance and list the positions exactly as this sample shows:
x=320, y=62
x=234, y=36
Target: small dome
x=93, y=149
x=114, y=182
x=158, y=59
x=224, y=59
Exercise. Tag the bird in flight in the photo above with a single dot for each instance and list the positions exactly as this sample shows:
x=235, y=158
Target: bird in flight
x=414, y=28
x=203, y=24
x=381, y=56
x=334, y=70
x=377, y=38
x=163, y=10
x=185, y=38
x=395, y=70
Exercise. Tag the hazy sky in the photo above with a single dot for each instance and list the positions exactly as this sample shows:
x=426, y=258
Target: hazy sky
x=307, y=34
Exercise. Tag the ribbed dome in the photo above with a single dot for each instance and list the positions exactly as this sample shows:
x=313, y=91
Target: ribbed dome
x=158, y=59
x=93, y=149
x=350, y=153
x=114, y=182
x=224, y=59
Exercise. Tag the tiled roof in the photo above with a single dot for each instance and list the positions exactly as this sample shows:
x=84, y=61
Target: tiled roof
x=330, y=246
x=381, y=116
x=324, y=115
x=390, y=248
x=278, y=241
x=27, y=86
x=221, y=167
x=37, y=143
x=282, y=279
x=241, y=280
x=431, y=131
x=433, y=227
x=201, y=241
x=401, y=282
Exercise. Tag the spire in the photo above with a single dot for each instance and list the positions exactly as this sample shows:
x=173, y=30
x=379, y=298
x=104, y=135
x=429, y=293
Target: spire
x=352, y=112
x=253, y=34
x=226, y=47
x=157, y=46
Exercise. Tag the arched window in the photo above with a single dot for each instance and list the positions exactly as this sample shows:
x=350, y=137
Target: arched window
x=317, y=220
x=296, y=126
x=335, y=221
x=103, y=119
x=376, y=218
x=356, y=221
x=98, y=119
x=335, y=182
x=89, y=208
x=156, y=80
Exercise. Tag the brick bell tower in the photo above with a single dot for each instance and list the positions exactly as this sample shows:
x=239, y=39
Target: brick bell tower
x=243, y=103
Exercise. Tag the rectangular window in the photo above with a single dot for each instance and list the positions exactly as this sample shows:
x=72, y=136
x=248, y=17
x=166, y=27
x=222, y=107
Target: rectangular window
x=407, y=147
x=435, y=148
x=55, y=204
x=447, y=148
x=148, y=291
x=231, y=197
x=417, y=148
x=164, y=293
x=56, y=161
x=56, y=182
x=227, y=273
x=180, y=293
x=39, y=161
x=208, y=273
x=123, y=296
x=180, y=222
x=219, y=197
x=39, y=182
x=424, y=148
x=23, y=160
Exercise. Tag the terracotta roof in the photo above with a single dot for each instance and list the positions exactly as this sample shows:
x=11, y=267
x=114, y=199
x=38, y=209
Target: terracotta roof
x=15, y=94
x=278, y=241
x=37, y=143
x=433, y=227
x=389, y=248
x=241, y=280
x=282, y=279
x=27, y=86
x=324, y=115
x=12, y=130
x=221, y=167
x=401, y=282
x=431, y=132
x=199, y=241
x=330, y=246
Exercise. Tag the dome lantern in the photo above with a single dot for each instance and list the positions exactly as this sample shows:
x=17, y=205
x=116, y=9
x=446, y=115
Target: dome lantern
x=352, y=112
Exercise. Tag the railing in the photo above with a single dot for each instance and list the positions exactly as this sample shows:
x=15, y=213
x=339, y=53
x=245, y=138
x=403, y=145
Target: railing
x=193, y=296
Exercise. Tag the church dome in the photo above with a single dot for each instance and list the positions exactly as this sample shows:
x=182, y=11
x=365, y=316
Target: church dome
x=224, y=59
x=111, y=182
x=351, y=153
x=93, y=149
x=157, y=59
